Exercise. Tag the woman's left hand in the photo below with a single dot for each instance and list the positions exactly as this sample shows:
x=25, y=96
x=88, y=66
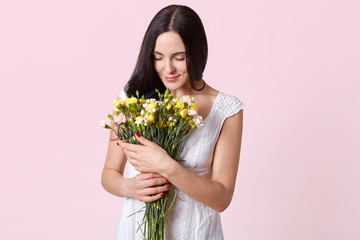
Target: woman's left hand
x=148, y=157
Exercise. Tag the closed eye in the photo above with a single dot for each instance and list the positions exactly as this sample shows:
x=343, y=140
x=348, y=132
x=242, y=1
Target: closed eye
x=180, y=56
x=157, y=57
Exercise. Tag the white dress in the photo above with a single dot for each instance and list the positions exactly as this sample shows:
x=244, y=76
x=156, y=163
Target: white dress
x=189, y=219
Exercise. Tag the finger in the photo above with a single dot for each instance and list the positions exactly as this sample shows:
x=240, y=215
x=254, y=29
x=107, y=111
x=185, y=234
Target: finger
x=148, y=183
x=138, y=168
x=152, y=198
x=121, y=144
x=144, y=141
x=155, y=182
x=135, y=164
x=128, y=146
x=156, y=190
x=130, y=154
x=159, y=179
x=142, y=182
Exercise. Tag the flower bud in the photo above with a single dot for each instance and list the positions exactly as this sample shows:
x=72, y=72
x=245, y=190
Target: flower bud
x=166, y=94
x=170, y=97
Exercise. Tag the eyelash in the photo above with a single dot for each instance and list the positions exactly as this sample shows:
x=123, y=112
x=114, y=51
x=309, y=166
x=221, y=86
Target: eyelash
x=178, y=59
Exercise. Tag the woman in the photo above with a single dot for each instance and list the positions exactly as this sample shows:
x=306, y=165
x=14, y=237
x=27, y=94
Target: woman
x=173, y=55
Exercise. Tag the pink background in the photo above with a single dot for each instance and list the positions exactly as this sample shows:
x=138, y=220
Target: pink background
x=295, y=65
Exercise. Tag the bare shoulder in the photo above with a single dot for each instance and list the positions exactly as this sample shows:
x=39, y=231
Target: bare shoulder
x=204, y=99
x=210, y=91
x=207, y=95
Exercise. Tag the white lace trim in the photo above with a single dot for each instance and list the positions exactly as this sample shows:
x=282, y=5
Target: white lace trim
x=228, y=105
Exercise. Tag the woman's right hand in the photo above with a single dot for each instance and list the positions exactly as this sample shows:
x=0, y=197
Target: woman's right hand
x=144, y=187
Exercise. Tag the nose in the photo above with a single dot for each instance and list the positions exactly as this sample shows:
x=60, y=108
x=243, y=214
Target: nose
x=169, y=67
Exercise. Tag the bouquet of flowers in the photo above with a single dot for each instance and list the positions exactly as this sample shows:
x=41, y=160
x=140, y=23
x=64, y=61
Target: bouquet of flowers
x=168, y=122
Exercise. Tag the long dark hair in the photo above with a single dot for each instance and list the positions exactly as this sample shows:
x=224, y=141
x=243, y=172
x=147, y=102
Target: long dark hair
x=184, y=21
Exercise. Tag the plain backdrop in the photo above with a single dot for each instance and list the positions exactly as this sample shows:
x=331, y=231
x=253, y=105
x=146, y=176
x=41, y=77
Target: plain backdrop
x=294, y=64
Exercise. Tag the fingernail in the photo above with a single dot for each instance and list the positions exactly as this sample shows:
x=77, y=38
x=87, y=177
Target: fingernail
x=162, y=194
x=118, y=144
x=168, y=186
x=137, y=134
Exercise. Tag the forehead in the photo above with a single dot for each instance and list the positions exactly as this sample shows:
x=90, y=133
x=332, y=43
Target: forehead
x=169, y=42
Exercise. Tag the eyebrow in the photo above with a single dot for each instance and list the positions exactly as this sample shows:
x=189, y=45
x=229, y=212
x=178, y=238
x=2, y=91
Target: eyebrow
x=177, y=53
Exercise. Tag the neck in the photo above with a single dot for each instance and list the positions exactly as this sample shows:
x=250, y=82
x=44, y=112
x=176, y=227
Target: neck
x=187, y=89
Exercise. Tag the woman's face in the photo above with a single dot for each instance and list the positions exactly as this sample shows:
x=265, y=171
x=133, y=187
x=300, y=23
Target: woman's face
x=170, y=60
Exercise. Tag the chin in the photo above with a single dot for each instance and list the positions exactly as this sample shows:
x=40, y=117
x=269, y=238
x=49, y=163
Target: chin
x=174, y=85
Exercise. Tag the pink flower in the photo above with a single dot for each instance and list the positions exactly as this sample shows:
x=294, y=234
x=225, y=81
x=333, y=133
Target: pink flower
x=198, y=121
x=120, y=119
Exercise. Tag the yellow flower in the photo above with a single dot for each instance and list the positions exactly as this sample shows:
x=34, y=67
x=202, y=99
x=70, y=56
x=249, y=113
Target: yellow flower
x=131, y=100
x=150, y=118
x=152, y=105
x=194, y=106
x=184, y=113
x=179, y=104
x=169, y=106
x=132, y=122
x=116, y=103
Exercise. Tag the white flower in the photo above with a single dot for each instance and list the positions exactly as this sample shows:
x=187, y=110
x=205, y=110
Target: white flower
x=102, y=124
x=186, y=99
x=198, y=121
x=139, y=120
x=172, y=119
x=147, y=108
x=192, y=112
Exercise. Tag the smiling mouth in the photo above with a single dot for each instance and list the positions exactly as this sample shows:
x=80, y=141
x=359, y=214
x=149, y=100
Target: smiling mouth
x=171, y=79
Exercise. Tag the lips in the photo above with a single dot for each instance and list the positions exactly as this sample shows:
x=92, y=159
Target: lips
x=171, y=79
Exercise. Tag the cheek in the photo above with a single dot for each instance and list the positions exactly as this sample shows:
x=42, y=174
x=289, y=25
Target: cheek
x=158, y=66
x=182, y=67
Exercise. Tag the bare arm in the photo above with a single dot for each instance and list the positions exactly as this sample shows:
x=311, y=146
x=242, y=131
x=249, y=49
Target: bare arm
x=112, y=175
x=139, y=187
x=216, y=192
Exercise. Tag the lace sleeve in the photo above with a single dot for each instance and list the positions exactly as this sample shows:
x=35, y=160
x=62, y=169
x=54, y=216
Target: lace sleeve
x=236, y=106
x=229, y=105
